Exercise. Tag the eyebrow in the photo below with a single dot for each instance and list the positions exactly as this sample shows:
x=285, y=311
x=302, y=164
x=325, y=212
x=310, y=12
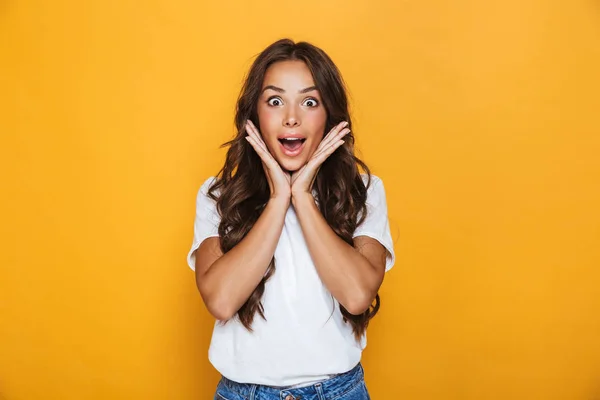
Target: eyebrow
x=280, y=90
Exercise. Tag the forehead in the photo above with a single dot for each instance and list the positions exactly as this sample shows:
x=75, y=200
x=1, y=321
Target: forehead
x=288, y=75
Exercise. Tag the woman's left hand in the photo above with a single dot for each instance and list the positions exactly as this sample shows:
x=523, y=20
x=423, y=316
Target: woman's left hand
x=303, y=179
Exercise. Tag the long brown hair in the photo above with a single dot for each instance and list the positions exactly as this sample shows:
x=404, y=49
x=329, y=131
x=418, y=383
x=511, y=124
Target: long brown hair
x=242, y=191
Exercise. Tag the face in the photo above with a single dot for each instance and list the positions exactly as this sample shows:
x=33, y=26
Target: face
x=291, y=114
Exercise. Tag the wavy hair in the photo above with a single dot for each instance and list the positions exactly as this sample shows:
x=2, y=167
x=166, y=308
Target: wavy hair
x=241, y=191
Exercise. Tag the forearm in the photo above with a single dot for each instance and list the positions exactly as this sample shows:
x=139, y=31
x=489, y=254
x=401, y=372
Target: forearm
x=233, y=277
x=346, y=273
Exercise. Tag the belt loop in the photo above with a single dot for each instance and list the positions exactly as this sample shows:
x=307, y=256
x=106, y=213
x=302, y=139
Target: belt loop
x=319, y=389
x=252, y=391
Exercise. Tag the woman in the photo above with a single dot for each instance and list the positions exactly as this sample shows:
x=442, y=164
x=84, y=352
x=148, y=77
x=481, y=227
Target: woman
x=291, y=241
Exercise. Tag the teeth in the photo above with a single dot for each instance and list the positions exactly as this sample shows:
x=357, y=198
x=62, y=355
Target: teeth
x=292, y=138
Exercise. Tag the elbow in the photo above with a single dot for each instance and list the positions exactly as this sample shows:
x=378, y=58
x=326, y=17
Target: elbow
x=220, y=309
x=221, y=313
x=359, y=303
x=219, y=306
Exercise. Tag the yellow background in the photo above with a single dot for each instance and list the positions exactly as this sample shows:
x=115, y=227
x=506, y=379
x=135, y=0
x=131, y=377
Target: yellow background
x=482, y=118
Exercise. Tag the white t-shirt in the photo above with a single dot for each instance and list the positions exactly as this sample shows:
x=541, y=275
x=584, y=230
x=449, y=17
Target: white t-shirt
x=304, y=338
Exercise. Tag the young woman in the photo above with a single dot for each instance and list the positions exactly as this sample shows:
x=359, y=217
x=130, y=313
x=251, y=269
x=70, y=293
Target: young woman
x=291, y=240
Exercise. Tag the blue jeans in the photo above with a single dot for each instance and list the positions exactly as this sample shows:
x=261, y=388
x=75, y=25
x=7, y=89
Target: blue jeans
x=347, y=386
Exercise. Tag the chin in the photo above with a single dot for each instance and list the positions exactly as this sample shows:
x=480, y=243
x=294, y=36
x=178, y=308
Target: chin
x=292, y=165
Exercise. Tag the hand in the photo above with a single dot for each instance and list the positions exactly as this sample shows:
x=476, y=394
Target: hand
x=303, y=179
x=279, y=181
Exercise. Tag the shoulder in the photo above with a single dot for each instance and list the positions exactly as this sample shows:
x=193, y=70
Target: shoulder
x=208, y=183
x=375, y=190
x=202, y=193
x=375, y=181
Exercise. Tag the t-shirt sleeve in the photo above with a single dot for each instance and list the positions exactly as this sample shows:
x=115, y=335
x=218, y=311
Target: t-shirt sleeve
x=206, y=223
x=376, y=225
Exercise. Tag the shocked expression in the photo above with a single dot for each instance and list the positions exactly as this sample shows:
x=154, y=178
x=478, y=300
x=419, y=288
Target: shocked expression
x=291, y=114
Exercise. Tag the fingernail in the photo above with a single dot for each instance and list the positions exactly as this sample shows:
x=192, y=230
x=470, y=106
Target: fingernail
x=345, y=123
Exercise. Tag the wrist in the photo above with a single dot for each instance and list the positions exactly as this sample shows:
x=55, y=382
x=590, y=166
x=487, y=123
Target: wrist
x=282, y=200
x=301, y=197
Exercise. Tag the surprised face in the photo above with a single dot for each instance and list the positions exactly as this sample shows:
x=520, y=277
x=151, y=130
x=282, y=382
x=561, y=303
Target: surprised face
x=291, y=114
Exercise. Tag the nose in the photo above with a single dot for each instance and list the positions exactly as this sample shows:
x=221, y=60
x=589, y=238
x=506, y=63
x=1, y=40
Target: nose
x=291, y=119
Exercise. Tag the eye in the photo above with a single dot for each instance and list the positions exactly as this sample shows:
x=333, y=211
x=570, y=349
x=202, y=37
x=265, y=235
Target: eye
x=274, y=101
x=311, y=102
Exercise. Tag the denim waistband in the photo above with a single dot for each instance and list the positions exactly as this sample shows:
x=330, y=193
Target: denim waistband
x=327, y=389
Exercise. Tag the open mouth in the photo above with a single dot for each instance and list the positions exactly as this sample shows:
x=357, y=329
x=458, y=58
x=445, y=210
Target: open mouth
x=292, y=145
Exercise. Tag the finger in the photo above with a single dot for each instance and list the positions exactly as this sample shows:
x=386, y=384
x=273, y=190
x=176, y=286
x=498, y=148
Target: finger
x=253, y=131
x=321, y=157
x=254, y=134
x=264, y=155
x=337, y=128
x=258, y=144
x=334, y=131
x=324, y=146
x=335, y=134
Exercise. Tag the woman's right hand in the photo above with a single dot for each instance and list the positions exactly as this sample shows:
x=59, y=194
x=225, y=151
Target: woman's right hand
x=279, y=180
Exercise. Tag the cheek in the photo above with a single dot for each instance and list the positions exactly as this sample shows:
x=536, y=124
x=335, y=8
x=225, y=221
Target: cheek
x=315, y=122
x=268, y=120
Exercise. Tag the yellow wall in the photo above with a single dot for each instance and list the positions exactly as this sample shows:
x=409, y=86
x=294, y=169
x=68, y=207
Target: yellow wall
x=483, y=119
